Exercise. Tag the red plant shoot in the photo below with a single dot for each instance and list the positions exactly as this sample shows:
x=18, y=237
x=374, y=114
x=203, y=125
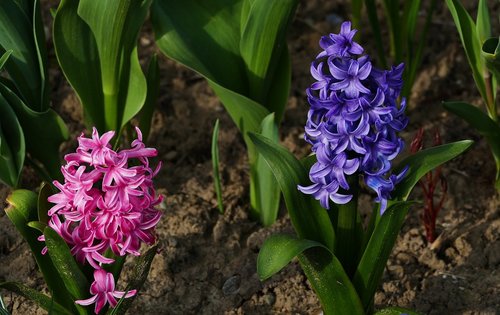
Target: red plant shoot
x=430, y=183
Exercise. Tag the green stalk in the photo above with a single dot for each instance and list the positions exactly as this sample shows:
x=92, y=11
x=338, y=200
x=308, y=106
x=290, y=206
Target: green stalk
x=110, y=110
x=347, y=230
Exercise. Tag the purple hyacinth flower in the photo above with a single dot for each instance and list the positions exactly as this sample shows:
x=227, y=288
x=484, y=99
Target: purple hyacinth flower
x=342, y=44
x=353, y=121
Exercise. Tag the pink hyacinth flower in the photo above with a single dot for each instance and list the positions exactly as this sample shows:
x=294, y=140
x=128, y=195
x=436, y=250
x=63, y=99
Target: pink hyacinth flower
x=103, y=289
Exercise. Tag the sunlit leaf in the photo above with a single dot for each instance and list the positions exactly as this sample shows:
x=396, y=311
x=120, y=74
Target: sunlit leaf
x=321, y=267
x=73, y=278
x=308, y=218
x=22, y=209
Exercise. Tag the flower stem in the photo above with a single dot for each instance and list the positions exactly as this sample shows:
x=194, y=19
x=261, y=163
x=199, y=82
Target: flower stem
x=347, y=236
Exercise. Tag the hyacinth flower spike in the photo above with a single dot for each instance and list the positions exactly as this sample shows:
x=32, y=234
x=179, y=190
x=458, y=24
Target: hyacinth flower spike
x=353, y=122
x=365, y=131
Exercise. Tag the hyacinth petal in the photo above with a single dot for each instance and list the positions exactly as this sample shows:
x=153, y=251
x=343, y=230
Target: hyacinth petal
x=121, y=294
x=87, y=301
x=311, y=189
x=337, y=73
x=340, y=199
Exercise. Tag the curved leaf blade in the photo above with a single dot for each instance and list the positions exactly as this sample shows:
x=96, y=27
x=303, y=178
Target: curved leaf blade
x=47, y=303
x=308, y=218
x=424, y=161
x=322, y=268
x=21, y=211
x=44, y=132
x=12, y=145
x=73, y=278
x=278, y=251
x=76, y=51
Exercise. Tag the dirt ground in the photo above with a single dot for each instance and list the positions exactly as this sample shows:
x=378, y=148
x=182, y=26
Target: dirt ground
x=208, y=261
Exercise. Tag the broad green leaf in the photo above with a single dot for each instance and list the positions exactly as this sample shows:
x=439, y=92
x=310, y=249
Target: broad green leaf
x=40, y=226
x=308, y=218
x=483, y=24
x=17, y=34
x=356, y=9
x=41, y=299
x=22, y=210
x=215, y=166
x=394, y=310
x=73, y=278
x=470, y=40
x=4, y=58
x=204, y=36
x=489, y=129
x=262, y=54
x=372, y=264
x=267, y=196
x=330, y=282
x=153, y=89
x=12, y=145
x=322, y=268
x=44, y=132
x=76, y=52
x=115, y=26
x=139, y=276
x=424, y=161
x=278, y=251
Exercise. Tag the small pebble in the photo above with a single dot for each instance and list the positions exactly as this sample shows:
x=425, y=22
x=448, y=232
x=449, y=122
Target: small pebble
x=232, y=285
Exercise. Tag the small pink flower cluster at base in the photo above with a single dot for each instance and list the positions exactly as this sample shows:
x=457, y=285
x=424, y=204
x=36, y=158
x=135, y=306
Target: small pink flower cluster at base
x=107, y=202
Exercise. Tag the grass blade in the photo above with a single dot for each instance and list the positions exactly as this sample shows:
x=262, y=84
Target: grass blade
x=215, y=166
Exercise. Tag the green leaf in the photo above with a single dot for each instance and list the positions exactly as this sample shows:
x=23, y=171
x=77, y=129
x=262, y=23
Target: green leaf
x=261, y=54
x=4, y=58
x=17, y=34
x=12, y=145
x=73, y=278
x=486, y=127
x=76, y=52
x=278, y=251
x=215, y=166
x=44, y=132
x=139, y=276
x=153, y=89
x=308, y=218
x=371, y=10
x=44, y=301
x=470, y=40
x=203, y=36
x=115, y=26
x=263, y=186
x=322, y=268
x=372, y=264
x=424, y=161
x=483, y=24
x=22, y=210
x=394, y=310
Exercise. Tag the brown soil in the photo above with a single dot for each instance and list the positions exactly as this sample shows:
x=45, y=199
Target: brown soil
x=208, y=261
